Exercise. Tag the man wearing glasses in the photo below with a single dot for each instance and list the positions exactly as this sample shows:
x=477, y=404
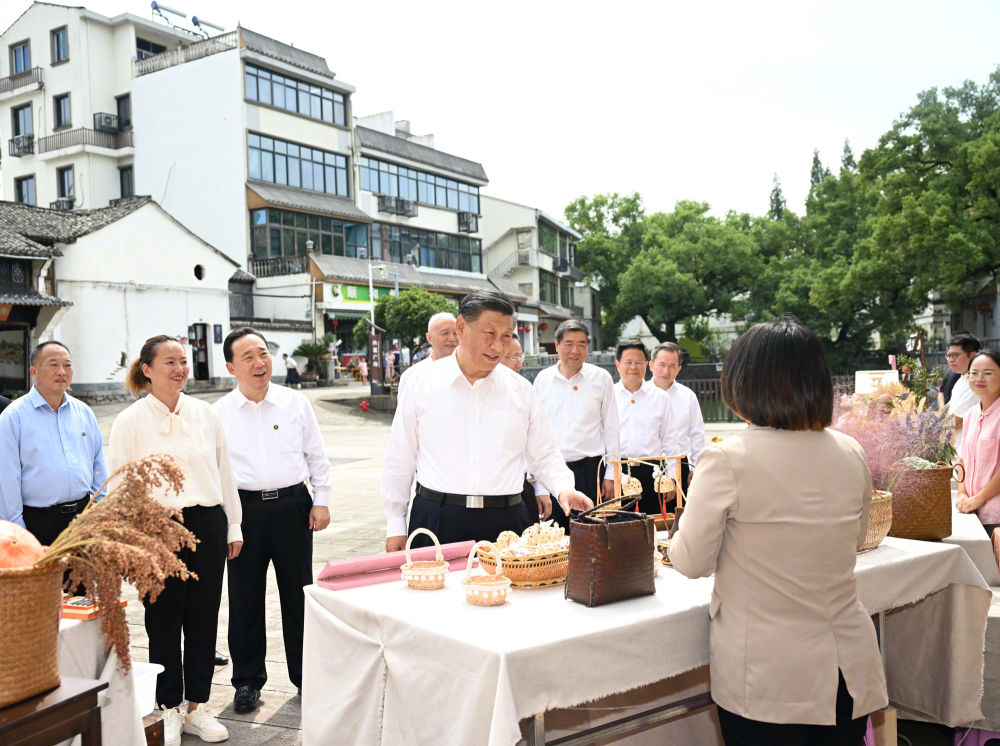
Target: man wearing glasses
x=961, y=349
x=688, y=424
x=645, y=419
x=579, y=400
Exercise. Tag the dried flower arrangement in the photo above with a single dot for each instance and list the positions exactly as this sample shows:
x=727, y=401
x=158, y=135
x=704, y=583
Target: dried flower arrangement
x=896, y=430
x=126, y=535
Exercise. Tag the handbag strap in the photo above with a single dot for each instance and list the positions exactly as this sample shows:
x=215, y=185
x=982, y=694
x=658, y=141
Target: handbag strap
x=625, y=510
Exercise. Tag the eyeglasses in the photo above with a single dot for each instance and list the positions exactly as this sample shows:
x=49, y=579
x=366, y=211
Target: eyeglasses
x=515, y=358
x=632, y=363
x=986, y=375
x=664, y=366
x=953, y=356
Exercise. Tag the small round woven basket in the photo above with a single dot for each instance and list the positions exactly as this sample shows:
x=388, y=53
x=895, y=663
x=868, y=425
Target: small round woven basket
x=533, y=571
x=485, y=590
x=30, y=601
x=425, y=575
x=879, y=519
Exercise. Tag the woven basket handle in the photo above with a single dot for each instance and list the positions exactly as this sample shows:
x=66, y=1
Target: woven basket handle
x=472, y=553
x=437, y=544
x=626, y=510
x=954, y=472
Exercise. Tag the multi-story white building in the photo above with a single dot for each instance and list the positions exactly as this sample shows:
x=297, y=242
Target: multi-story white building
x=537, y=254
x=65, y=103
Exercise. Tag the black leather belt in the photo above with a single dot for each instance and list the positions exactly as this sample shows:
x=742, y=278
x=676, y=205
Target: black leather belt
x=70, y=507
x=468, y=501
x=271, y=494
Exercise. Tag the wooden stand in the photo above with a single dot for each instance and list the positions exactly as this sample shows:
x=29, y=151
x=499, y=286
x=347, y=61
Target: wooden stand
x=660, y=461
x=54, y=716
x=884, y=724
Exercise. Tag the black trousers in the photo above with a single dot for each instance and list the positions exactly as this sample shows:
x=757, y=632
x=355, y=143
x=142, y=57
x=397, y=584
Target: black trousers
x=47, y=524
x=741, y=731
x=191, y=607
x=584, y=480
x=649, y=502
x=452, y=523
x=273, y=531
x=529, y=502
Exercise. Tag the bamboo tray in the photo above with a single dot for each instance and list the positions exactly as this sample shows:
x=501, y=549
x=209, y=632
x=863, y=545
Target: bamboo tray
x=534, y=571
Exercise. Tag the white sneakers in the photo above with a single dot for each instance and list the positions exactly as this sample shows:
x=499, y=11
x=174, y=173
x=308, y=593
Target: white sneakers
x=201, y=722
x=173, y=724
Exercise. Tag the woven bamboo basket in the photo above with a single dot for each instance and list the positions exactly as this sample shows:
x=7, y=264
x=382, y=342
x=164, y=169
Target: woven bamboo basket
x=428, y=575
x=921, y=503
x=879, y=519
x=30, y=600
x=535, y=571
x=485, y=590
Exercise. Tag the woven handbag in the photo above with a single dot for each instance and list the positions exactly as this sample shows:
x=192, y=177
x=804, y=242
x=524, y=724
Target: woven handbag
x=610, y=556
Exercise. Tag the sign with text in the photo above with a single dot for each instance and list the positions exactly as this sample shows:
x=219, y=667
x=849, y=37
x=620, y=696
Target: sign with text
x=865, y=381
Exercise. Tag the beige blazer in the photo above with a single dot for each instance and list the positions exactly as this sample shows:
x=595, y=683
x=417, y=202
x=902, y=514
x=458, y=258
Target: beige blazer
x=777, y=515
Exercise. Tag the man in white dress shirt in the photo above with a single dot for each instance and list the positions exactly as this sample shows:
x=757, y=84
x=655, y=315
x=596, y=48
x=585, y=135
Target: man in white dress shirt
x=464, y=427
x=579, y=399
x=441, y=335
x=275, y=445
x=645, y=419
x=961, y=349
x=688, y=424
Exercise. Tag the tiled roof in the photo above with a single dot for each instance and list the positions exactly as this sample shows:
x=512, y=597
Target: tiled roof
x=301, y=199
x=555, y=312
x=285, y=52
x=509, y=288
x=31, y=298
x=242, y=276
x=29, y=231
x=397, y=146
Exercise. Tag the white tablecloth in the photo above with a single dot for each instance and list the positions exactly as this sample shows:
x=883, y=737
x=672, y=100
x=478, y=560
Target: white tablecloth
x=81, y=653
x=967, y=531
x=390, y=665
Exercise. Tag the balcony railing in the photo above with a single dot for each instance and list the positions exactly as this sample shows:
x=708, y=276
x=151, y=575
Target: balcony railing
x=21, y=145
x=180, y=55
x=19, y=80
x=63, y=203
x=105, y=122
x=82, y=136
x=279, y=265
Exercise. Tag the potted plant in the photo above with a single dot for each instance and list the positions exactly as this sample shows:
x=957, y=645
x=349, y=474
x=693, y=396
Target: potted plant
x=313, y=353
x=125, y=535
x=909, y=450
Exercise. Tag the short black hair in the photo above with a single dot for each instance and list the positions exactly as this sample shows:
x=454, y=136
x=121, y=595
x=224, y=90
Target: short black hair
x=472, y=306
x=968, y=342
x=37, y=349
x=235, y=334
x=777, y=375
x=571, y=325
x=631, y=344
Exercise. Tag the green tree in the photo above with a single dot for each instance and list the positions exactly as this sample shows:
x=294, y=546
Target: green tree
x=406, y=317
x=938, y=169
x=692, y=264
x=847, y=157
x=777, y=202
x=612, y=230
x=818, y=172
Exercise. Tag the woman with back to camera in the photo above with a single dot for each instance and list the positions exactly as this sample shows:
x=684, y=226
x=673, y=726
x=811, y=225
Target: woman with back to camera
x=980, y=491
x=167, y=421
x=777, y=513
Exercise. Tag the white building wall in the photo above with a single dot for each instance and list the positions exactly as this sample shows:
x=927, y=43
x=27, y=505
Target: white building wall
x=499, y=215
x=134, y=279
x=191, y=148
x=297, y=129
x=428, y=218
x=282, y=297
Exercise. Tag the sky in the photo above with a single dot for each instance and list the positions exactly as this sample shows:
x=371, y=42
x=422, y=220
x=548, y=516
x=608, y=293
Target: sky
x=701, y=101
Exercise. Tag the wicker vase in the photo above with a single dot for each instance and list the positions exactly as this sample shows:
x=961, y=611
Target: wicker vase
x=30, y=599
x=921, y=503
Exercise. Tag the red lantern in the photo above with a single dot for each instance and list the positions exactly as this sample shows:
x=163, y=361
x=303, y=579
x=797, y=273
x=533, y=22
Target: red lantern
x=520, y=328
x=527, y=328
x=543, y=326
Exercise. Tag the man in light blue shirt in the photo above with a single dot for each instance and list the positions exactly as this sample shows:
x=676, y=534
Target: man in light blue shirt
x=51, y=456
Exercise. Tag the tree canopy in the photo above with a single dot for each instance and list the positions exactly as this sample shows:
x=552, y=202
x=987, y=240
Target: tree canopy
x=914, y=218
x=405, y=317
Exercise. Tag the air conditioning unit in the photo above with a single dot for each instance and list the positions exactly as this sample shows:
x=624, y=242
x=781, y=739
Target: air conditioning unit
x=362, y=252
x=105, y=122
x=406, y=207
x=63, y=203
x=562, y=265
x=387, y=204
x=468, y=222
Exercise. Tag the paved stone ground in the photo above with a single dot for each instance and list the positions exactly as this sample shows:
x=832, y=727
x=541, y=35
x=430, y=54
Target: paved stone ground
x=355, y=444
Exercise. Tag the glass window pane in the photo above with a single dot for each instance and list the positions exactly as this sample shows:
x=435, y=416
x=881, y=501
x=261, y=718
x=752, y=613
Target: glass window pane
x=267, y=166
x=288, y=219
x=278, y=94
x=254, y=163
x=264, y=91
x=300, y=243
x=300, y=220
x=258, y=217
x=317, y=170
x=293, y=150
x=338, y=245
x=315, y=107
x=327, y=110
x=266, y=143
x=251, y=86
x=274, y=216
x=288, y=242
x=327, y=243
x=254, y=140
x=338, y=113
x=342, y=182
x=331, y=180
x=275, y=242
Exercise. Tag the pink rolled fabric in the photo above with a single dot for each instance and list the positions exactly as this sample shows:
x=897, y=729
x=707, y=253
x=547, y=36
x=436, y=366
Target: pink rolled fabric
x=384, y=567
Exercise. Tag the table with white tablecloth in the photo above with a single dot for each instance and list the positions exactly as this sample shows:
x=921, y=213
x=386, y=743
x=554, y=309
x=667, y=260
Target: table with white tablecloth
x=391, y=665
x=81, y=653
x=967, y=531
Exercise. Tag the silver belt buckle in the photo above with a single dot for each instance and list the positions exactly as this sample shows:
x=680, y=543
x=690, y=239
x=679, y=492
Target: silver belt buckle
x=473, y=501
x=269, y=494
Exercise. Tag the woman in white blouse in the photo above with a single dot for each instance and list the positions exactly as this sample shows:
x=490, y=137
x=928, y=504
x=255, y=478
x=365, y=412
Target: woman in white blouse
x=168, y=421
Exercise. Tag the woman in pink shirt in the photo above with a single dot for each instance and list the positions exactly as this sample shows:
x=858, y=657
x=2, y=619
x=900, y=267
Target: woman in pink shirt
x=980, y=492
